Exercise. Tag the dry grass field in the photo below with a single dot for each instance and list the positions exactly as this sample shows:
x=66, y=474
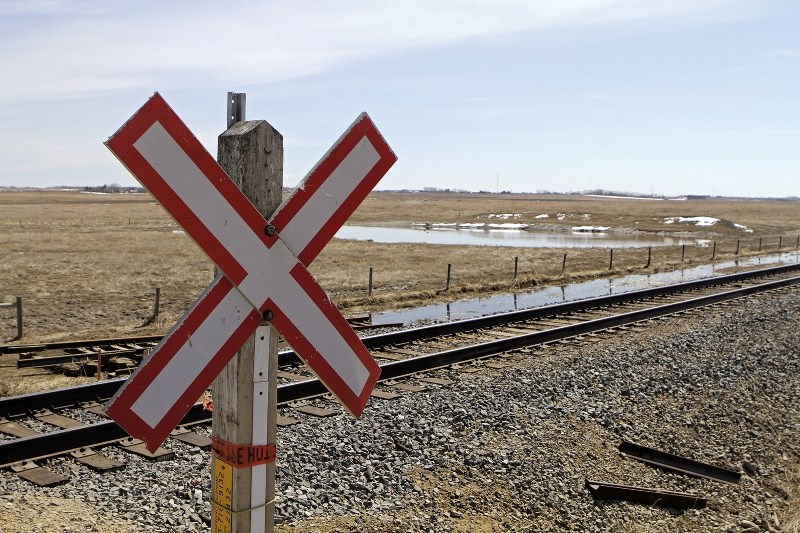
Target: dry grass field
x=87, y=265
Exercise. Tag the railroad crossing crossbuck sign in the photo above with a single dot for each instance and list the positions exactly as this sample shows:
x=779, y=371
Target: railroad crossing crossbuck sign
x=263, y=264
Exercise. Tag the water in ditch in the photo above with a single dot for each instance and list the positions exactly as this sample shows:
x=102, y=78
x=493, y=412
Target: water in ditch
x=501, y=303
x=579, y=237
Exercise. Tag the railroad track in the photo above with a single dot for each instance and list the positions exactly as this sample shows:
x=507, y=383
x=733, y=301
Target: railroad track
x=81, y=430
x=118, y=356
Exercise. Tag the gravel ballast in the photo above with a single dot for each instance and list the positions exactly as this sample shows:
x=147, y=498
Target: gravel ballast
x=509, y=449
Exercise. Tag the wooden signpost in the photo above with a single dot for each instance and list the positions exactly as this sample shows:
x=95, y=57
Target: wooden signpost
x=264, y=288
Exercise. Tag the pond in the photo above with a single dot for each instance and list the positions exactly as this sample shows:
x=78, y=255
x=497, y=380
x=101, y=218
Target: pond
x=513, y=237
x=502, y=303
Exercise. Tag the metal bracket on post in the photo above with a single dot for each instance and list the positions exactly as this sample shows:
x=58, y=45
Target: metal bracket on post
x=236, y=107
x=265, y=383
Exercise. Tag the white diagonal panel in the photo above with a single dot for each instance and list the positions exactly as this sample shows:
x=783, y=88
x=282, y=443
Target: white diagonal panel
x=319, y=209
x=161, y=394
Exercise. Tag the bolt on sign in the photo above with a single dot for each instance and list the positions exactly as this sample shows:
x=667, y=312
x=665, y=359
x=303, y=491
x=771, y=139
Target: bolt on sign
x=263, y=266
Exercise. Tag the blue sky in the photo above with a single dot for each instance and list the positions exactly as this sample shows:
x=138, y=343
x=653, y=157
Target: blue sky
x=670, y=97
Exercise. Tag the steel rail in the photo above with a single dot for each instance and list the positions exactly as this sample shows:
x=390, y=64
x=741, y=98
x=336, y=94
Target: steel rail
x=357, y=322
x=59, y=442
x=19, y=405
x=55, y=360
x=645, y=495
x=676, y=463
x=9, y=349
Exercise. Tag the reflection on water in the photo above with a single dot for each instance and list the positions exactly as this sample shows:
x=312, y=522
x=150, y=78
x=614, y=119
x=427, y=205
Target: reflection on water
x=501, y=303
x=506, y=237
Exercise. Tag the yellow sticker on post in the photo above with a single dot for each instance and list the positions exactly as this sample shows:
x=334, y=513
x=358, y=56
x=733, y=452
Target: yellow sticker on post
x=222, y=497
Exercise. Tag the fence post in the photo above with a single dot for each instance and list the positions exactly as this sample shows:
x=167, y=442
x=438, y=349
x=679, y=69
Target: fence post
x=759, y=244
x=780, y=241
x=683, y=252
x=156, y=307
x=369, y=290
x=447, y=286
x=649, y=256
x=737, y=247
x=714, y=251
x=19, y=318
x=564, y=261
x=516, y=265
x=610, y=258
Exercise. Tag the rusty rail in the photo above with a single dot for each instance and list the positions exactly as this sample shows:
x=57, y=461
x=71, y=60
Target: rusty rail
x=676, y=463
x=645, y=495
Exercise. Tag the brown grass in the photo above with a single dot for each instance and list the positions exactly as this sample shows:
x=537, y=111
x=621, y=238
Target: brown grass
x=764, y=217
x=88, y=265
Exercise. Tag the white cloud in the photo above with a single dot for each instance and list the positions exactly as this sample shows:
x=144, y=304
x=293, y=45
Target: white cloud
x=44, y=7
x=174, y=44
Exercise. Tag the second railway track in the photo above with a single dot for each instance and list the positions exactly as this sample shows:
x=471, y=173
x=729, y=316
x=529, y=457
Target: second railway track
x=80, y=429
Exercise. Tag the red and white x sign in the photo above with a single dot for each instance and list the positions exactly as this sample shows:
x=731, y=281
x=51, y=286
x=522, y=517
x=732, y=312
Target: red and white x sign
x=262, y=271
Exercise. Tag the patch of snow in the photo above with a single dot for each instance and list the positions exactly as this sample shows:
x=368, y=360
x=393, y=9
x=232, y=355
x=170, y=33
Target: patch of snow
x=586, y=216
x=419, y=224
x=704, y=243
x=444, y=225
x=93, y=192
x=543, y=215
x=507, y=225
x=743, y=228
x=178, y=232
x=622, y=197
x=472, y=225
x=505, y=216
x=697, y=221
x=590, y=229
x=561, y=216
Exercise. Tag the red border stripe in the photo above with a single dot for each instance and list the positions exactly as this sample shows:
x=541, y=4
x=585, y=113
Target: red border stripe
x=363, y=127
x=121, y=408
x=354, y=403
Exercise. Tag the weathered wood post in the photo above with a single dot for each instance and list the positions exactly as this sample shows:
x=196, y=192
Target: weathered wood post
x=737, y=248
x=18, y=304
x=610, y=258
x=780, y=242
x=563, y=265
x=447, y=286
x=156, y=306
x=759, y=244
x=369, y=290
x=516, y=266
x=683, y=253
x=649, y=256
x=714, y=251
x=19, y=318
x=245, y=392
